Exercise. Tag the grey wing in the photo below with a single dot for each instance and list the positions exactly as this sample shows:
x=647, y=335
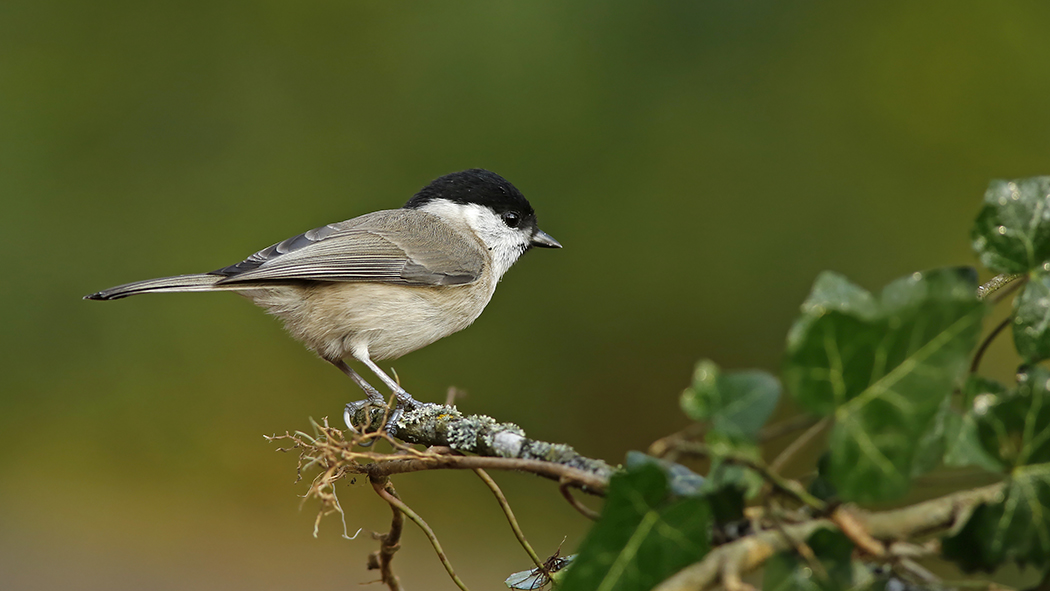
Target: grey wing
x=395, y=246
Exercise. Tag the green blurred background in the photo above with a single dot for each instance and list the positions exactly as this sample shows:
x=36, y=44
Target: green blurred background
x=700, y=161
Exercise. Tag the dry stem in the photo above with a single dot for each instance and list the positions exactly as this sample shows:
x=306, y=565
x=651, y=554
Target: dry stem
x=423, y=525
x=502, y=499
x=777, y=465
x=564, y=487
x=389, y=543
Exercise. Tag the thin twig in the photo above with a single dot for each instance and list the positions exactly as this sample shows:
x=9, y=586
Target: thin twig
x=917, y=571
x=784, y=485
x=389, y=543
x=987, y=342
x=732, y=581
x=787, y=426
x=1010, y=289
x=667, y=443
x=981, y=585
x=510, y=517
x=396, y=502
x=661, y=446
x=855, y=531
x=803, y=550
x=576, y=504
x=997, y=283
x=578, y=478
x=778, y=463
x=914, y=551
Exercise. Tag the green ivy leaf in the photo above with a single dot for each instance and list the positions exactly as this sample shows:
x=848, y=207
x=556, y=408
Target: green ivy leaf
x=882, y=367
x=820, y=487
x=727, y=505
x=961, y=439
x=642, y=537
x=1014, y=428
x=931, y=446
x=737, y=404
x=729, y=474
x=1012, y=232
x=1016, y=528
x=682, y=481
x=788, y=571
x=1032, y=319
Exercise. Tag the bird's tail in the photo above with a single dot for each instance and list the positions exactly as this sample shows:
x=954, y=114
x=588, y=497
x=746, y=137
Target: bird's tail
x=200, y=282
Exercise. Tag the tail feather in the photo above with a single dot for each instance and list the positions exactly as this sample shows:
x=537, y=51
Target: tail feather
x=200, y=282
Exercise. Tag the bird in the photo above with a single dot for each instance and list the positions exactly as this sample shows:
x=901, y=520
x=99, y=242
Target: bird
x=383, y=284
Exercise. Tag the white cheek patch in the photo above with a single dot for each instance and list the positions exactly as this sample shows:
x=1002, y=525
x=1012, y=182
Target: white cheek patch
x=504, y=244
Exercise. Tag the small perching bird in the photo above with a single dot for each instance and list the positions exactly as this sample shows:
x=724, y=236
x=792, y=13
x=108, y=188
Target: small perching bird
x=386, y=283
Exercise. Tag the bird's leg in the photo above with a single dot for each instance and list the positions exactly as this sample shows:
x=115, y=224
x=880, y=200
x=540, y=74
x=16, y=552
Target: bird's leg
x=374, y=397
x=404, y=399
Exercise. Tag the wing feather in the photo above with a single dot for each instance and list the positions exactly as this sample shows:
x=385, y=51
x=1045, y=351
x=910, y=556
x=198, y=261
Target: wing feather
x=396, y=246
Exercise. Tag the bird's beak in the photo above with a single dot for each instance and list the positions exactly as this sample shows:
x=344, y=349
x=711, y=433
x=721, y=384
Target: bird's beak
x=544, y=240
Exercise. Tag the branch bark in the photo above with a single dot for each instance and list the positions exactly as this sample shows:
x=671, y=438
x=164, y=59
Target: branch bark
x=502, y=445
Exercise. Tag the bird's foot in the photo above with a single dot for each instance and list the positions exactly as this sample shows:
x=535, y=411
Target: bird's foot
x=351, y=410
x=404, y=402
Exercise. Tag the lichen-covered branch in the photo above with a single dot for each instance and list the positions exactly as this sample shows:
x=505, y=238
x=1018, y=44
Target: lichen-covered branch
x=448, y=435
x=746, y=554
x=444, y=426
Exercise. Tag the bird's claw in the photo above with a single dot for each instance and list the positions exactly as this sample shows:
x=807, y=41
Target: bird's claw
x=351, y=410
x=404, y=402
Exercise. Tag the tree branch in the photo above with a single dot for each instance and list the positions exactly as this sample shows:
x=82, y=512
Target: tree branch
x=586, y=481
x=448, y=434
x=752, y=551
x=337, y=457
x=502, y=445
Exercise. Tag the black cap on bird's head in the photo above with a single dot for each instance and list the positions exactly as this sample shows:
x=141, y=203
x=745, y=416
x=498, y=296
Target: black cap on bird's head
x=476, y=185
x=487, y=189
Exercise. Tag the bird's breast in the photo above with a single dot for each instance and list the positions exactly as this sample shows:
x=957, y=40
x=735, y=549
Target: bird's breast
x=386, y=320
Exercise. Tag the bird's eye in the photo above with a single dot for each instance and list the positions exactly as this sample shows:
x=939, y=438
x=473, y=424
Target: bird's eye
x=511, y=219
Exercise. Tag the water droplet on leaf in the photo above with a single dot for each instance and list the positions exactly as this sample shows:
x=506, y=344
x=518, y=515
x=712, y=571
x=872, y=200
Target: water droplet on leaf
x=982, y=403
